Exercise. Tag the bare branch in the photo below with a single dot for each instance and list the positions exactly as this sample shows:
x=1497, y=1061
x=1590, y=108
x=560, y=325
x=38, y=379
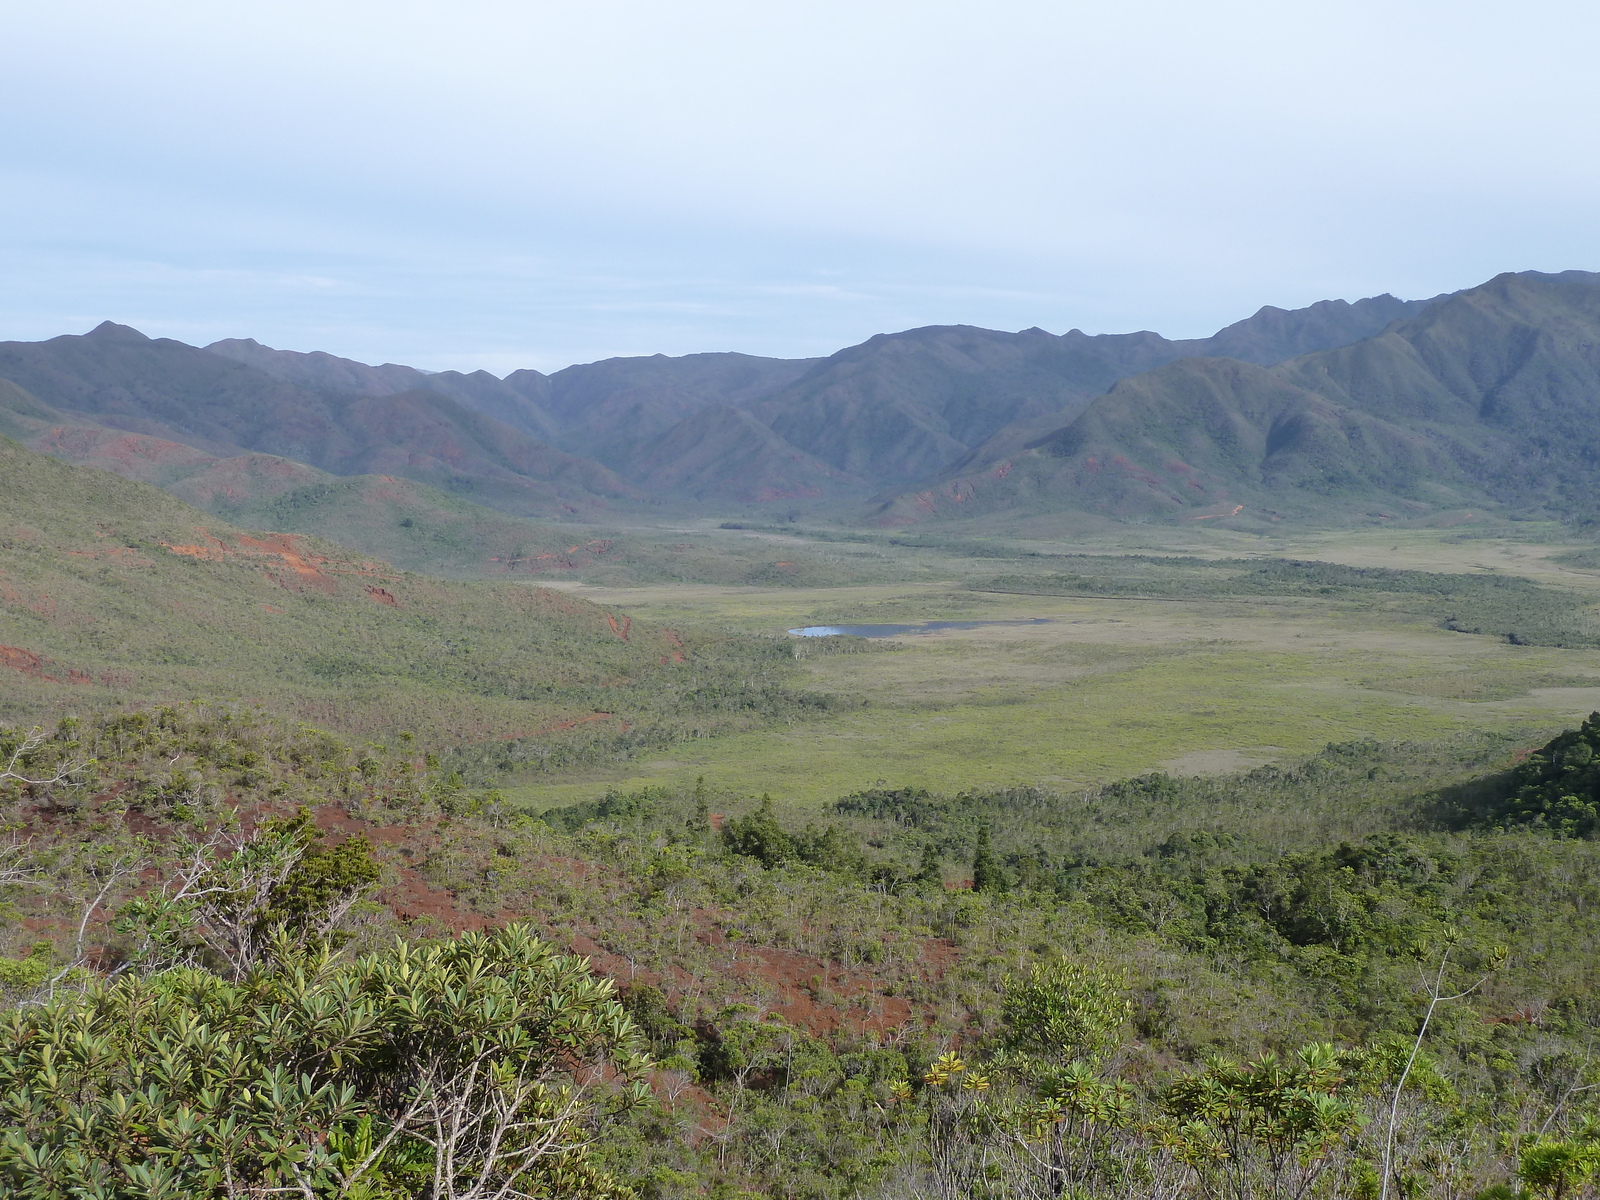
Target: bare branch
x=120, y=870
x=14, y=865
x=31, y=742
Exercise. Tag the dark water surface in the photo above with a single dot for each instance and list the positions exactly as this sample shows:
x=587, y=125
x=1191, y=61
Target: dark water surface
x=879, y=631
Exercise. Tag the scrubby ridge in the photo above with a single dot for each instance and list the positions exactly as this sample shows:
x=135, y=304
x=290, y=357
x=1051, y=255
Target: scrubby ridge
x=838, y=1011
x=112, y=592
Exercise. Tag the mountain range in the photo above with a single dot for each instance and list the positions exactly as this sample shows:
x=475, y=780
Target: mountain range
x=893, y=410
x=1488, y=396
x=1377, y=409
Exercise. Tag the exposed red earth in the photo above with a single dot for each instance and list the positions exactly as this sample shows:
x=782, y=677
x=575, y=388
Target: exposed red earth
x=29, y=663
x=676, y=642
x=573, y=724
x=306, y=568
x=575, y=558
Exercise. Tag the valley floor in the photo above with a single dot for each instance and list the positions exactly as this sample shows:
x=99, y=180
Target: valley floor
x=1111, y=686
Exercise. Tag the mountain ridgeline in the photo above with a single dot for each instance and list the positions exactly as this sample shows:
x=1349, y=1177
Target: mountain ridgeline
x=1487, y=397
x=1380, y=409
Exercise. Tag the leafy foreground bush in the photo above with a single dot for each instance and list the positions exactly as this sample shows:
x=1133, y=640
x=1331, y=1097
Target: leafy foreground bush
x=481, y=1067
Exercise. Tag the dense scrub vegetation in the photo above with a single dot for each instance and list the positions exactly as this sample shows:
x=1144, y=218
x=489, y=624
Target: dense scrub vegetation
x=1266, y=918
x=1557, y=789
x=1218, y=987
x=1505, y=606
x=188, y=1026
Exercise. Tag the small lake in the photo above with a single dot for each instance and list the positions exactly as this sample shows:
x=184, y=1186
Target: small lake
x=880, y=631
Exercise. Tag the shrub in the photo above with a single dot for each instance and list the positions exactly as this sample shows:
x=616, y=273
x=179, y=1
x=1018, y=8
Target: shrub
x=479, y=1067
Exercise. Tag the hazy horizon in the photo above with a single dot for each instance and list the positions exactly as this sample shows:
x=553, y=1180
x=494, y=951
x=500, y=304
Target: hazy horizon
x=502, y=185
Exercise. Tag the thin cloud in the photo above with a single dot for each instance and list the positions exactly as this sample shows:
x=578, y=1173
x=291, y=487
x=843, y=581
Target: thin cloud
x=437, y=183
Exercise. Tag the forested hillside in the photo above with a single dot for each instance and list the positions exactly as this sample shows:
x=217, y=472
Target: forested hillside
x=115, y=377
x=897, y=406
x=1484, y=398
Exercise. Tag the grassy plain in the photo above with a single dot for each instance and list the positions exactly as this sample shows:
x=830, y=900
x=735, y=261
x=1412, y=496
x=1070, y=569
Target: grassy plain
x=1112, y=687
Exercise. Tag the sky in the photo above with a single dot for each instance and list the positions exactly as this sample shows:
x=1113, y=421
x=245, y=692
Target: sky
x=498, y=184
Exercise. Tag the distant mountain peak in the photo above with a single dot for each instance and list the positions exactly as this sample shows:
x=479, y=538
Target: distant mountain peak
x=108, y=331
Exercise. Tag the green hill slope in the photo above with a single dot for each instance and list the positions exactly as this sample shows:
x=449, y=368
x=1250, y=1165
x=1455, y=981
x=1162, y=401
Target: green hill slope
x=116, y=377
x=410, y=524
x=579, y=444
x=113, y=592
x=725, y=452
x=1488, y=397
x=906, y=405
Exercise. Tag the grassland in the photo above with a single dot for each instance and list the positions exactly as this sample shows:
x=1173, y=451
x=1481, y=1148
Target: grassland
x=1110, y=687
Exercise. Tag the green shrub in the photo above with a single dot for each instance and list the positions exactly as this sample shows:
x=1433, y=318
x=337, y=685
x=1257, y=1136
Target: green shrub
x=452, y=1069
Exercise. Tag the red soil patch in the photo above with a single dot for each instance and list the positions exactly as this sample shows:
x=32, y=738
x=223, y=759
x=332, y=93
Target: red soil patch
x=809, y=992
x=29, y=663
x=1133, y=470
x=410, y=898
x=1530, y=1014
x=382, y=595
x=573, y=559
x=283, y=545
x=573, y=724
x=620, y=630
x=676, y=653
x=131, y=451
x=125, y=555
x=306, y=569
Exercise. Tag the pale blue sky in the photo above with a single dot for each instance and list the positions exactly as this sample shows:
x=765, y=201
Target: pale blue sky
x=483, y=183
